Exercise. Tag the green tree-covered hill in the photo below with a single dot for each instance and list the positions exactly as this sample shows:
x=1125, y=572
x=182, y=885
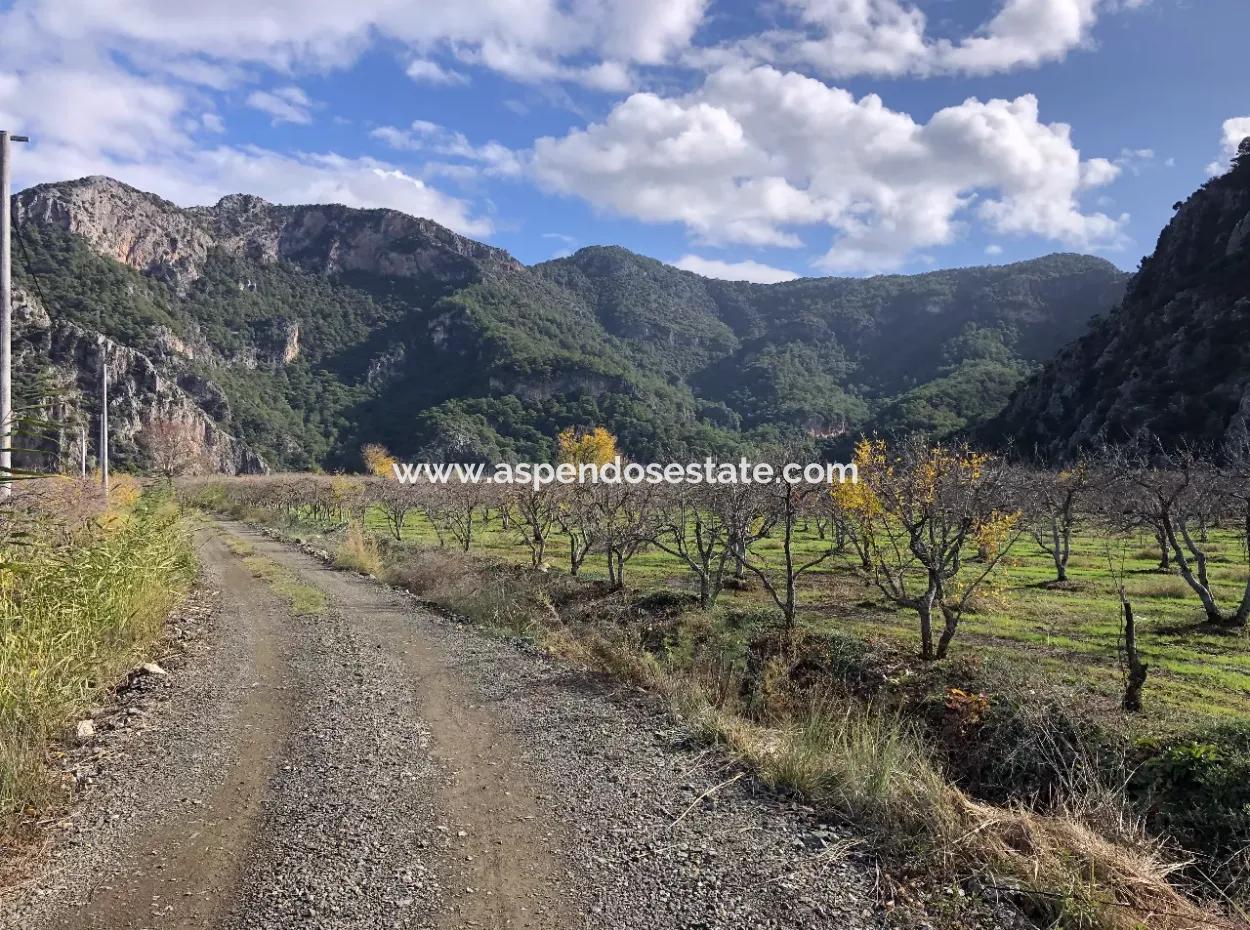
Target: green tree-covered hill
x=307, y=331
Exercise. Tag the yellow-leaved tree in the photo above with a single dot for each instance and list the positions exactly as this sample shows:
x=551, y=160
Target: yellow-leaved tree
x=945, y=518
x=856, y=509
x=378, y=461
x=586, y=447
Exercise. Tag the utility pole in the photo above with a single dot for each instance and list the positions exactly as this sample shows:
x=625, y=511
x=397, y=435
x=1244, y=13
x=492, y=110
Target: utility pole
x=104, y=415
x=6, y=317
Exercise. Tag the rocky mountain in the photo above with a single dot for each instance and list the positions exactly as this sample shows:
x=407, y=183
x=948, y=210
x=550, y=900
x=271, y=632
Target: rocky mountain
x=68, y=360
x=1173, y=360
x=290, y=335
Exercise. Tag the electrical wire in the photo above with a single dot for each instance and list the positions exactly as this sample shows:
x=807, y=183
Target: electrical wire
x=30, y=268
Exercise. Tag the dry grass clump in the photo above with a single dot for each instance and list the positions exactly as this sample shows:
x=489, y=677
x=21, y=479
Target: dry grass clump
x=497, y=595
x=1166, y=586
x=874, y=772
x=359, y=551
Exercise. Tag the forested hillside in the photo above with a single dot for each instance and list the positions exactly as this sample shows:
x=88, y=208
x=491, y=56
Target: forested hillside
x=307, y=331
x=1173, y=362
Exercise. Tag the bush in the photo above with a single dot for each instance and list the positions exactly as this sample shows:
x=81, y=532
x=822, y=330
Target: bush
x=494, y=594
x=1196, y=790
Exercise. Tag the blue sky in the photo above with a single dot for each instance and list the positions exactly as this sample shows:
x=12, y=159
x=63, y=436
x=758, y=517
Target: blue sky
x=757, y=140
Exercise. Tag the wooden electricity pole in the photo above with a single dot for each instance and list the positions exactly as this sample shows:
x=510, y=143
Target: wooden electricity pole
x=6, y=318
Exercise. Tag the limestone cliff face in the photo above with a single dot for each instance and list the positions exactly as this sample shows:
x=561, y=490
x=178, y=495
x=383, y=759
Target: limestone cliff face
x=1173, y=360
x=172, y=244
x=67, y=407
x=172, y=374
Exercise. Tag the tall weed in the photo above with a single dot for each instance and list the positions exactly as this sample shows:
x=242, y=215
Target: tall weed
x=77, y=609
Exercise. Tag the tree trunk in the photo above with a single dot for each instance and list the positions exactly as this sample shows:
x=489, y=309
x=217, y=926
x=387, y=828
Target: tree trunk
x=1136, y=668
x=924, y=607
x=1197, y=584
x=948, y=632
x=1214, y=615
x=1242, y=617
x=1061, y=546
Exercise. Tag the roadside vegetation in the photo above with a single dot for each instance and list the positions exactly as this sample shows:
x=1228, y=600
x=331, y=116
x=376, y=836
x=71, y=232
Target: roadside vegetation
x=1006, y=677
x=85, y=586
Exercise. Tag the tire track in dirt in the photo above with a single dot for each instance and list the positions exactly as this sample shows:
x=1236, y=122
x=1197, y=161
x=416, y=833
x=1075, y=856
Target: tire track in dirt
x=174, y=858
x=492, y=845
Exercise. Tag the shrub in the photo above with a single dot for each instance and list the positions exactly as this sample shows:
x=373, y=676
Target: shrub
x=1196, y=790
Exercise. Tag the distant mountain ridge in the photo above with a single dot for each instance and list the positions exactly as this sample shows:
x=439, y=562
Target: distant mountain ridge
x=308, y=330
x=1173, y=361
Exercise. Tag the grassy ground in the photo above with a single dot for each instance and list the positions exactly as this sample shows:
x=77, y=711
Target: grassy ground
x=1068, y=634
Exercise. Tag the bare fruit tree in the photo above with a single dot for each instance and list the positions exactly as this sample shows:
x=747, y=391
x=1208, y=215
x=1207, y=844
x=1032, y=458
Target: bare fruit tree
x=532, y=514
x=1053, y=502
x=463, y=510
x=782, y=505
x=1237, y=489
x=705, y=526
x=574, y=515
x=170, y=449
x=395, y=500
x=1178, y=496
x=620, y=515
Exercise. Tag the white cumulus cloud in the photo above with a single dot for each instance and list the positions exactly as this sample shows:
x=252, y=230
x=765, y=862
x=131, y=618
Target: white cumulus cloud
x=284, y=104
x=579, y=40
x=755, y=154
x=841, y=38
x=1232, y=132
x=748, y=270
x=107, y=121
x=424, y=71
x=492, y=158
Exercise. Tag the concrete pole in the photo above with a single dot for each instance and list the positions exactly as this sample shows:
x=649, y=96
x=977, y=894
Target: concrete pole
x=6, y=316
x=104, y=416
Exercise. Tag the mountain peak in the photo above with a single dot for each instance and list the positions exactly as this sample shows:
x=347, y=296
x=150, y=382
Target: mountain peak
x=241, y=203
x=172, y=243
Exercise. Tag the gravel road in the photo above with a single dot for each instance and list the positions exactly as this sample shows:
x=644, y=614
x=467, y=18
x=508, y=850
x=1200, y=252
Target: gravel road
x=380, y=766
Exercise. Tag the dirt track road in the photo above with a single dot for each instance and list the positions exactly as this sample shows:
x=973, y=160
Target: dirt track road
x=377, y=766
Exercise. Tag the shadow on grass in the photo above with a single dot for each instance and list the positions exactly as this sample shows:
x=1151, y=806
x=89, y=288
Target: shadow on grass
x=1199, y=626
x=1053, y=585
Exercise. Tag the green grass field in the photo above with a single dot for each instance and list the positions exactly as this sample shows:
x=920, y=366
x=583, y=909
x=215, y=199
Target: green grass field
x=1067, y=634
